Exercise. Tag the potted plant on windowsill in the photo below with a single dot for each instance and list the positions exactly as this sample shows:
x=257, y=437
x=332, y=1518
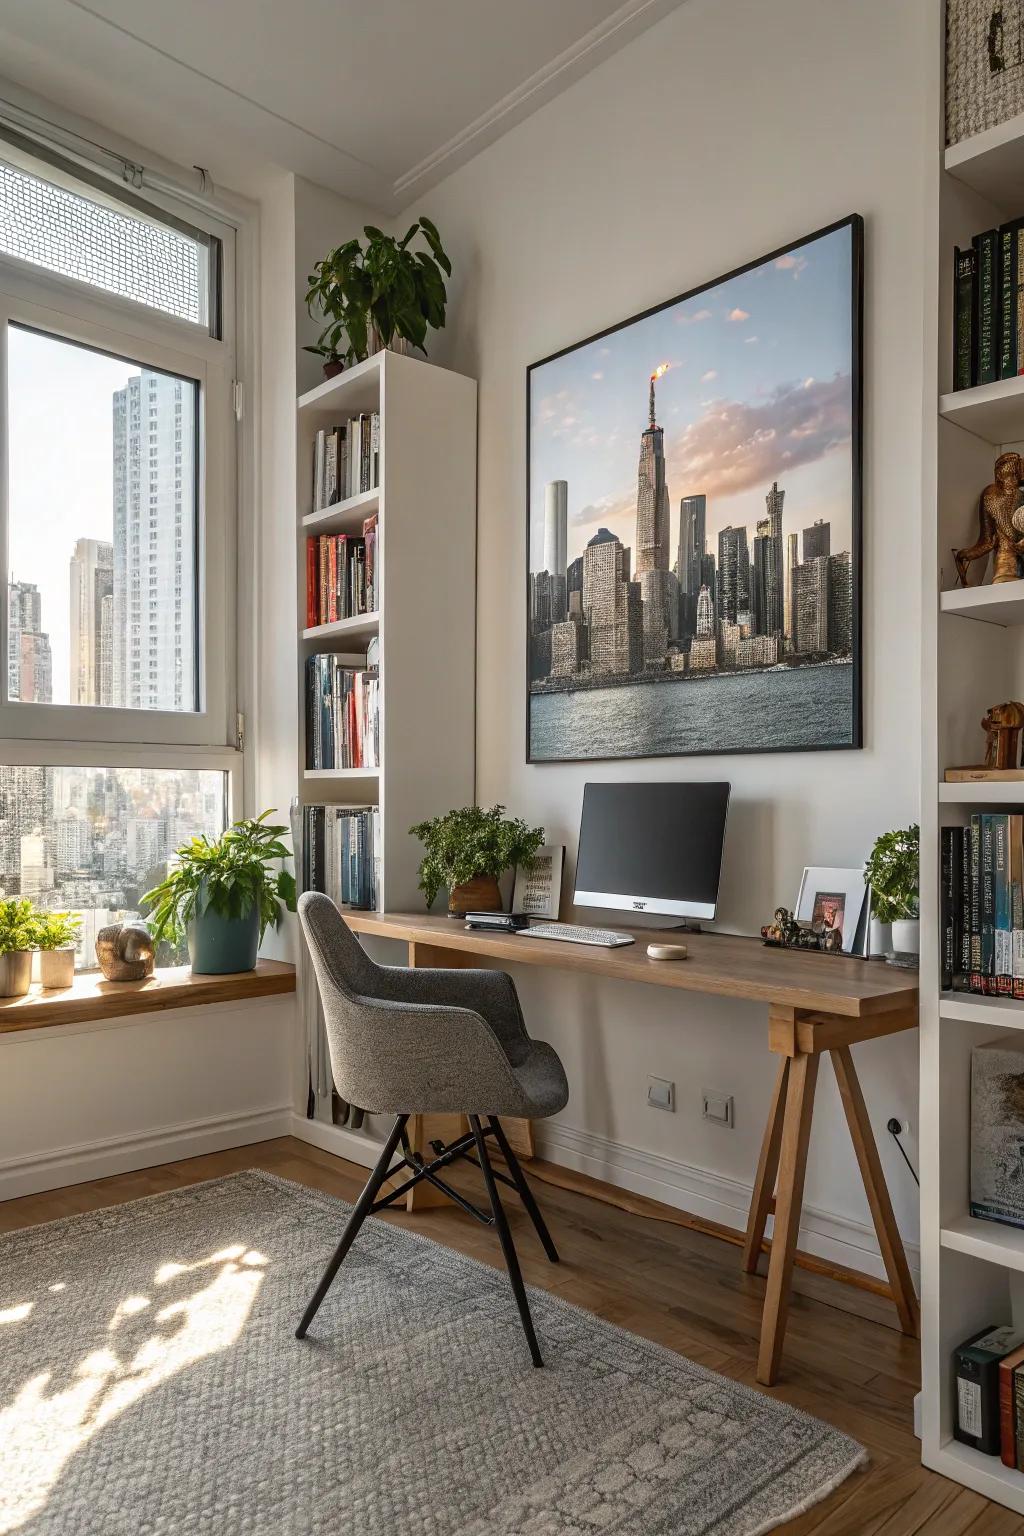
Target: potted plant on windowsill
x=369, y=297
x=55, y=937
x=467, y=850
x=17, y=941
x=222, y=896
x=892, y=874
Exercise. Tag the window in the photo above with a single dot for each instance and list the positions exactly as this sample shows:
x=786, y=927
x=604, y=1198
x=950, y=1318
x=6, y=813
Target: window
x=117, y=525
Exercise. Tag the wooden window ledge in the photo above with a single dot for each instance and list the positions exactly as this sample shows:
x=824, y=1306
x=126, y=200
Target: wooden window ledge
x=90, y=997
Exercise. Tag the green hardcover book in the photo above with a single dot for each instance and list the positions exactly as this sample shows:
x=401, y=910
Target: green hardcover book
x=975, y=912
x=988, y=901
x=1009, y=286
x=987, y=298
x=965, y=337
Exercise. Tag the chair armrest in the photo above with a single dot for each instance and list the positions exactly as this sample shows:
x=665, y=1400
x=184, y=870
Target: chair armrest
x=491, y=994
x=417, y=1057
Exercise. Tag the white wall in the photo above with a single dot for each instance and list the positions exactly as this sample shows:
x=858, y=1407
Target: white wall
x=727, y=130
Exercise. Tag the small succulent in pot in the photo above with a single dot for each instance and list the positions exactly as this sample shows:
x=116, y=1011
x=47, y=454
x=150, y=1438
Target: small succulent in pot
x=56, y=937
x=17, y=941
x=222, y=896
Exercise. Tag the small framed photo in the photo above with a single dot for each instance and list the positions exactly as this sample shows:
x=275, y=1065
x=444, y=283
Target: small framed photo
x=538, y=889
x=832, y=898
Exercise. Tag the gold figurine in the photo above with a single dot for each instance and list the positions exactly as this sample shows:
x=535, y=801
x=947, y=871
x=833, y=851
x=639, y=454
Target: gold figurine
x=1001, y=523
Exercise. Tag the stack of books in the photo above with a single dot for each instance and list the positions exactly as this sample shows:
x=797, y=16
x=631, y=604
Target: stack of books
x=346, y=460
x=341, y=853
x=988, y=307
x=341, y=575
x=342, y=729
x=988, y=1371
x=983, y=906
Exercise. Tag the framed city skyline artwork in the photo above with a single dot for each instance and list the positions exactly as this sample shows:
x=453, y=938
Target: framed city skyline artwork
x=694, y=541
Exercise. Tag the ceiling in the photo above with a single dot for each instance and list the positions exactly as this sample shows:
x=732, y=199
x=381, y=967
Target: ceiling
x=377, y=99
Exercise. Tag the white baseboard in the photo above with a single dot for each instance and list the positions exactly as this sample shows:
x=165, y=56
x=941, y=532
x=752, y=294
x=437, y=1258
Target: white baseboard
x=836, y=1239
x=356, y=1146
x=123, y=1154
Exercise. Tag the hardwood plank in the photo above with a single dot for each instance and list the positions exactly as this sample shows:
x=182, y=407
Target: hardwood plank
x=767, y=1167
x=796, y=1132
x=90, y=997
x=728, y=965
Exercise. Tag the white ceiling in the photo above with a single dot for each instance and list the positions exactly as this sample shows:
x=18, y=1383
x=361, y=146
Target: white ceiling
x=376, y=98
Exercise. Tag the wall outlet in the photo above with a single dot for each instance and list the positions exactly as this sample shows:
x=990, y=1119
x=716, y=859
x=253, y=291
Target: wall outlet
x=717, y=1107
x=661, y=1094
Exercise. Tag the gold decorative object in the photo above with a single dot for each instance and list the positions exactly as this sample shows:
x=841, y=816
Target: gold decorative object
x=1001, y=523
x=1002, y=726
x=126, y=952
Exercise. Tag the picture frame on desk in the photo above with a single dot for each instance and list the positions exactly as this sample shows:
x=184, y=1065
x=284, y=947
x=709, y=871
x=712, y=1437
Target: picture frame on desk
x=837, y=898
x=538, y=887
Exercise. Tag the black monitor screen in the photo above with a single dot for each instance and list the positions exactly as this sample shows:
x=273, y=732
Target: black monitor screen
x=652, y=847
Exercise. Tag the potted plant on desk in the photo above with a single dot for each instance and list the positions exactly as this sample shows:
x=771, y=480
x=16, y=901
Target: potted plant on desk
x=17, y=941
x=892, y=874
x=467, y=850
x=221, y=897
x=55, y=936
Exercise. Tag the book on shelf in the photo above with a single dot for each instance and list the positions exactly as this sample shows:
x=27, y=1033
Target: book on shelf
x=997, y=1130
x=341, y=853
x=976, y=1381
x=336, y=582
x=982, y=905
x=1011, y=1402
x=988, y=307
x=342, y=714
x=346, y=460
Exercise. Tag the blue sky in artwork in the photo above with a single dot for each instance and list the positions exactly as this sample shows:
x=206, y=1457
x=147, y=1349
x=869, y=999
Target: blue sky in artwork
x=758, y=389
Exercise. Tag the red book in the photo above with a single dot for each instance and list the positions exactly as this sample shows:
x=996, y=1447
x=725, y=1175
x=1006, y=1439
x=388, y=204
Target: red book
x=332, y=581
x=1007, y=1421
x=324, y=569
x=312, y=609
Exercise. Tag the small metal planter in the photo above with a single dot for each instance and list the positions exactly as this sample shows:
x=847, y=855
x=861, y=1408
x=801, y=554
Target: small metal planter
x=15, y=972
x=57, y=967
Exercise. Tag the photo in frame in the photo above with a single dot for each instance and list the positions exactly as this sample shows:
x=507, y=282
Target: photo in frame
x=694, y=505
x=834, y=898
x=538, y=886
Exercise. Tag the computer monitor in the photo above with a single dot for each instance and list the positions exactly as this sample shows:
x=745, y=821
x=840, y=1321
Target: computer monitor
x=652, y=848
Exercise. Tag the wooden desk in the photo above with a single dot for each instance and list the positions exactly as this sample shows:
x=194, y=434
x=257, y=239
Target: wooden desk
x=815, y=1003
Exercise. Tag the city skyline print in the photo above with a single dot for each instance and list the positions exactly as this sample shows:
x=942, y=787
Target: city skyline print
x=694, y=520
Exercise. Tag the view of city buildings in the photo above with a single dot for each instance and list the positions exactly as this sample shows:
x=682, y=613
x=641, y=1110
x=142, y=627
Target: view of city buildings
x=760, y=599
x=93, y=840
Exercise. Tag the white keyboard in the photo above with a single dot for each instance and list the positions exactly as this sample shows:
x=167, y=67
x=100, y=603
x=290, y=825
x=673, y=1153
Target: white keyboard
x=568, y=933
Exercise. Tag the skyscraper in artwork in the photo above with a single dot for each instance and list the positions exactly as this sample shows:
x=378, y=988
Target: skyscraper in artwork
x=659, y=589
x=689, y=561
x=556, y=523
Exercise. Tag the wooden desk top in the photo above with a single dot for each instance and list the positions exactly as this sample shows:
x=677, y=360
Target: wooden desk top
x=719, y=963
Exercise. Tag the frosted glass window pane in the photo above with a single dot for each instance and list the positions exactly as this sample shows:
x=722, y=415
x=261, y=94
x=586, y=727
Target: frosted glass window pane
x=106, y=247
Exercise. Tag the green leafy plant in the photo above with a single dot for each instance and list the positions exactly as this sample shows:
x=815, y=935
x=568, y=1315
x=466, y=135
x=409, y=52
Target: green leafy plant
x=389, y=286
x=892, y=873
x=464, y=844
x=230, y=876
x=18, y=925
x=56, y=930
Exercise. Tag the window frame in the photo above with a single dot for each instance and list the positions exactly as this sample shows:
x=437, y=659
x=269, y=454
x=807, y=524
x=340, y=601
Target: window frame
x=70, y=310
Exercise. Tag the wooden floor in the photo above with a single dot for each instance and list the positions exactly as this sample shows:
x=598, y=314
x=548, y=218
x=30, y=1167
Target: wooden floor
x=845, y=1359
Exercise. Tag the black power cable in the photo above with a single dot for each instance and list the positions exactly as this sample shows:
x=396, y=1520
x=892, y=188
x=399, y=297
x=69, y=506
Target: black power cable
x=895, y=1130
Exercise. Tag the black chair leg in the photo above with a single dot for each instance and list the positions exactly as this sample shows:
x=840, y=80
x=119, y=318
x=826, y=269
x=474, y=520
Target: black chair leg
x=525, y=1192
x=505, y=1238
x=355, y=1221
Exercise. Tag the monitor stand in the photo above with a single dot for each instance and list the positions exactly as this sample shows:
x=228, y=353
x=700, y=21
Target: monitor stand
x=686, y=926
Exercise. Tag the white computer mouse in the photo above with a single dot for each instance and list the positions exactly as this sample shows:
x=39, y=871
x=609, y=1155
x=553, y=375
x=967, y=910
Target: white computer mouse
x=667, y=951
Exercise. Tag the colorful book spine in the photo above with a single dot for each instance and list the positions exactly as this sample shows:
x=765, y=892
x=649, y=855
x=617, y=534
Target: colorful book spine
x=986, y=247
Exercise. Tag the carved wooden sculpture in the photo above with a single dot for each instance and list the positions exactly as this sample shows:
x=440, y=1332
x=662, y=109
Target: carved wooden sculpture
x=125, y=952
x=999, y=529
x=1002, y=726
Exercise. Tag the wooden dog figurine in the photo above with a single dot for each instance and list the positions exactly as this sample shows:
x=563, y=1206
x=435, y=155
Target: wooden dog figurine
x=999, y=529
x=1002, y=726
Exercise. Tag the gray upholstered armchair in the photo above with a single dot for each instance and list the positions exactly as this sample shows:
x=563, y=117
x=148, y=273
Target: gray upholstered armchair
x=408, y=1042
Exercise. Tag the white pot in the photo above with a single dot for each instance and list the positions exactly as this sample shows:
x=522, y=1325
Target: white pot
x=880, y=941
x=906, y=936
x=15, y=972
x=57, y=967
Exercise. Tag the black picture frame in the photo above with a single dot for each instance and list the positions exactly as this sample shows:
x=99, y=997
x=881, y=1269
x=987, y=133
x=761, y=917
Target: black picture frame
x=853, y=222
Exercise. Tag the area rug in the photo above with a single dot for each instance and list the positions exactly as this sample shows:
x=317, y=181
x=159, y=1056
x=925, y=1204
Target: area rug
x=151, y=1383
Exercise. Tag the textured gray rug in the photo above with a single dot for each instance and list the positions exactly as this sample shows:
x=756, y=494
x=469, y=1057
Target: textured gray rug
x=150, y=1383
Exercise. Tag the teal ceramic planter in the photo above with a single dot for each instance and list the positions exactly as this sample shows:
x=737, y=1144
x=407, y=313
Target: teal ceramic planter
x=219, y=945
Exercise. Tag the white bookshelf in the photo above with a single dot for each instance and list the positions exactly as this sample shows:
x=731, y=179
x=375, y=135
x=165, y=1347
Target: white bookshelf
x=972, y=1272
x=425, y=623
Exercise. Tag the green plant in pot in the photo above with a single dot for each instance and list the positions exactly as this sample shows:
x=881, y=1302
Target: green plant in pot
x=222, y=896
x=56, y=934
x=369, y=296
x=467, y=850
x=892, y=872
x=17, y=941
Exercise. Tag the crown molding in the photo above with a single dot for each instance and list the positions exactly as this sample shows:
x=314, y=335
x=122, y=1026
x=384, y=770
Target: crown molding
x=631, y=18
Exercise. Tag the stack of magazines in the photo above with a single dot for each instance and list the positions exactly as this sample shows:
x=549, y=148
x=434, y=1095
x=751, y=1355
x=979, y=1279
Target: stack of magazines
x=341, y=853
